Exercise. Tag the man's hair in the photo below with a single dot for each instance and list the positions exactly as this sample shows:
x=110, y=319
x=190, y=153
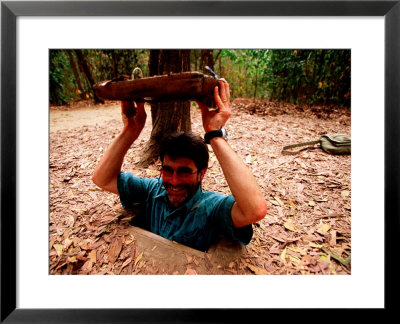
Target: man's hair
x=187, y=145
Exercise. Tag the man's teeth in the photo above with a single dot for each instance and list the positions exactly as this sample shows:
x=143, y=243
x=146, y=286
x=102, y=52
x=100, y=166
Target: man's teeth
x=175, y=188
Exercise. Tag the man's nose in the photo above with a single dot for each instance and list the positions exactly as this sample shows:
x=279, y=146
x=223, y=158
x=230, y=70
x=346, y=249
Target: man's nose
x=175, y=180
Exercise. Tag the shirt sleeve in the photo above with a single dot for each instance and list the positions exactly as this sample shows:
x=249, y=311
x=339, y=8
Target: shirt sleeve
x=224, y=219
x=133, y=189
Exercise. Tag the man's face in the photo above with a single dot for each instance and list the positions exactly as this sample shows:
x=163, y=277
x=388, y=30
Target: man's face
x=181, y=179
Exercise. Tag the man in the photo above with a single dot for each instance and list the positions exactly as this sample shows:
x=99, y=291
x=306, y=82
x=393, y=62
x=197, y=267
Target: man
x=175, y=206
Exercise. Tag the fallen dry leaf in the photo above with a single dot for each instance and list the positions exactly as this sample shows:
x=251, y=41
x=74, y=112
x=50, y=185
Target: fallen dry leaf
x=257, y=270
x=324, y=228
x=283, y=256
x=59, y=248
x=332, y=240
x=274, y=202
x=67, y=243
x=345, y=193
x=138, y=258
x=190, y=272
x=291, y=204
x=92, y=256
x=115, y=249
x=279, y=201
x=72, y=259
x=129, y=239
x=290, y=226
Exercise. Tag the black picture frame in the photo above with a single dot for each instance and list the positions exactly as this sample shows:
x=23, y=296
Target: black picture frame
x=10, y=10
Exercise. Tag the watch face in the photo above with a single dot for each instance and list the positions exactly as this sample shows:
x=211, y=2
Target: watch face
x=224, y=133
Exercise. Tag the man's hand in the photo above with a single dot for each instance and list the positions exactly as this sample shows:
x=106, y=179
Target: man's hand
x=213, y=120
x=106, y=173
x=133, y=116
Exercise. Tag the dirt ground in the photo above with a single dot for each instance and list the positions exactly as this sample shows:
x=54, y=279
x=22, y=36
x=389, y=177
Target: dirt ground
x=308, y=226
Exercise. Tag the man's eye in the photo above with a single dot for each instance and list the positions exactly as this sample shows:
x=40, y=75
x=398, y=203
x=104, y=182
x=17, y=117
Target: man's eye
x=167, y=170
x=184, y=171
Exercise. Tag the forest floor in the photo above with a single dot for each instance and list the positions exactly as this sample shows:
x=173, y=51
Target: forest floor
x=308, y=226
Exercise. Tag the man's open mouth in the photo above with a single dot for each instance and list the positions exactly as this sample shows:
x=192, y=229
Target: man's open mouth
x=176, y=189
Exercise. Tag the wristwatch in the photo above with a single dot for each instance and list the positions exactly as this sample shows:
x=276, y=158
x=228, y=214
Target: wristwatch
x=215, y=133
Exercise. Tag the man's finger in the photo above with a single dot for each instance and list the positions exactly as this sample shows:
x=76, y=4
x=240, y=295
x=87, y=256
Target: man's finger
x=228, y=94
x=218, y=99
x=140, y=108
x=224, y=86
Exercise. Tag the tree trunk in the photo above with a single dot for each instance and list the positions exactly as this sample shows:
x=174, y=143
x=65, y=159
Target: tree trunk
x=195, y=59
x=255, y=85
x=207, y=58
x=171, y=116
x=114, y=64
x=82, y=62
x=220, y=68
x=76, y=74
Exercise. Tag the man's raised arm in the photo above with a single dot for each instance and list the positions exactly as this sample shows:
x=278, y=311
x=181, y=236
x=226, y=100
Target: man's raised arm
x=106, y=173
x=250, y=205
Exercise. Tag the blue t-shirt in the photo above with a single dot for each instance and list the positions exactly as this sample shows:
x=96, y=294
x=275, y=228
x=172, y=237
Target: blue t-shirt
x=197, y=223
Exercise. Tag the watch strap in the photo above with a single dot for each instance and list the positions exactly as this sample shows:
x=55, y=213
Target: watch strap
x=215, y=133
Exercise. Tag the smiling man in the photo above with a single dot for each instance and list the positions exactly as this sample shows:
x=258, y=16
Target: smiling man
x=184, y=163
x=175, y=206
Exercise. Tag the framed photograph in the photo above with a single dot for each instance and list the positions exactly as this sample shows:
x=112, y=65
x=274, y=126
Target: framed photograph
x=370, y=29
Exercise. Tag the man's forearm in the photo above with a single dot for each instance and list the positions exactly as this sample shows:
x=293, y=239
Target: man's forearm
x=107, y=171
x=242, y=184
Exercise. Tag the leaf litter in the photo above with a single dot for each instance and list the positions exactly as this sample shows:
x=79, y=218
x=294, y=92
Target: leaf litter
x=308, y=226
